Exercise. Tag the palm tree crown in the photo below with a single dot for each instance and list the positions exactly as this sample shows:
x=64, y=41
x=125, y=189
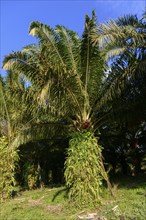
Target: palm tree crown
x=65, y=71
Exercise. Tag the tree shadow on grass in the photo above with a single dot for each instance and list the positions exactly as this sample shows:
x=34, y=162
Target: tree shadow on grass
x=65, y=191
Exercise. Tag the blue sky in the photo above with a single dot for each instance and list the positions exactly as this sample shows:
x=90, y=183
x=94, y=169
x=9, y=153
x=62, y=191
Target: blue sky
x=16, y=16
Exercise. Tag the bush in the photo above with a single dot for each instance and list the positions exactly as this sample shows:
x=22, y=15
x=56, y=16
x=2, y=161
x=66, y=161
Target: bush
x=8, y=163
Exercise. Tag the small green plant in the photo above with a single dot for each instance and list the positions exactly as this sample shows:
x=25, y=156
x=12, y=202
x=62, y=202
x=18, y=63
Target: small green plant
x=83, y=169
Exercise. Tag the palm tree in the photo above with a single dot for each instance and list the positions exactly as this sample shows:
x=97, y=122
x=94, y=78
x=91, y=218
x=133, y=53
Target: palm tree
x=7, y=114
x=65, y=75
x=123, y=45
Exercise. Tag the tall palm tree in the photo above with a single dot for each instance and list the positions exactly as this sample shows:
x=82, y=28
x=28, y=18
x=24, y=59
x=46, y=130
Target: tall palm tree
x=65, y=74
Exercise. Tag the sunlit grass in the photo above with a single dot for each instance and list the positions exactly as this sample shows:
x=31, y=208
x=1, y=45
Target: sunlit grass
x=52, y=204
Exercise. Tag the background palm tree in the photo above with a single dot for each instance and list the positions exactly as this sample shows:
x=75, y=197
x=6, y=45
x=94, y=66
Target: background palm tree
x=123, y=41
x=124, y=46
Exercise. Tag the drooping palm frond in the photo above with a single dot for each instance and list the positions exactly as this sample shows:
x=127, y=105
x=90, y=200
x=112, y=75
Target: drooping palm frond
x=21, y=63
x=118, y=38
x=42, y=77
x=118, y=78
x=20, y=76
x=46, y=34
x=128, y=20
x=40, y=131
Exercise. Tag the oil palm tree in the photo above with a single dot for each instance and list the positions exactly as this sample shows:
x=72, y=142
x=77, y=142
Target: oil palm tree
x=123, y=44
x=10, y=122
x=65, y=74
x=126, y=34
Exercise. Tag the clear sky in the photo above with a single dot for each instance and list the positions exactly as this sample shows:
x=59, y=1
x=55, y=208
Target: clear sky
x=16, y=16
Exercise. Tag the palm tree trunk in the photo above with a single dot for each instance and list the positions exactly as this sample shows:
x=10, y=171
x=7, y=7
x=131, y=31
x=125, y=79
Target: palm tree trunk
x=84, y=170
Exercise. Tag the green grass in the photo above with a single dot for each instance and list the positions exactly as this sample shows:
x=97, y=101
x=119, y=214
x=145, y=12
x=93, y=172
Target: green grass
x=129, y=203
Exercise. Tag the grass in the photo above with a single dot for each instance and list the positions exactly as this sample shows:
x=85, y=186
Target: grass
x=129, y=204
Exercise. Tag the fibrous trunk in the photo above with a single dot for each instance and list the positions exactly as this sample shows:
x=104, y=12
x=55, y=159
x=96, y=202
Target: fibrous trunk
x=84, y=169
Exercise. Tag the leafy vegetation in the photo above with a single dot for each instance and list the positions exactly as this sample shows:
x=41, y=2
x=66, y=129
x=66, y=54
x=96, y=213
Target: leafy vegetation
x=8, y=165
x=62, y=100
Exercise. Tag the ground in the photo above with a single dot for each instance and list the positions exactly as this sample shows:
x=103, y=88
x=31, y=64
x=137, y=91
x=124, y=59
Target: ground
x=51, y=204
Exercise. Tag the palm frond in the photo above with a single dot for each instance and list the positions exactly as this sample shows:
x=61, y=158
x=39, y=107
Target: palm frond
x=127, y=20
x=40, y=131
x=47, y=34
x=91, y=62
x=112, y=35
x=117, y=83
